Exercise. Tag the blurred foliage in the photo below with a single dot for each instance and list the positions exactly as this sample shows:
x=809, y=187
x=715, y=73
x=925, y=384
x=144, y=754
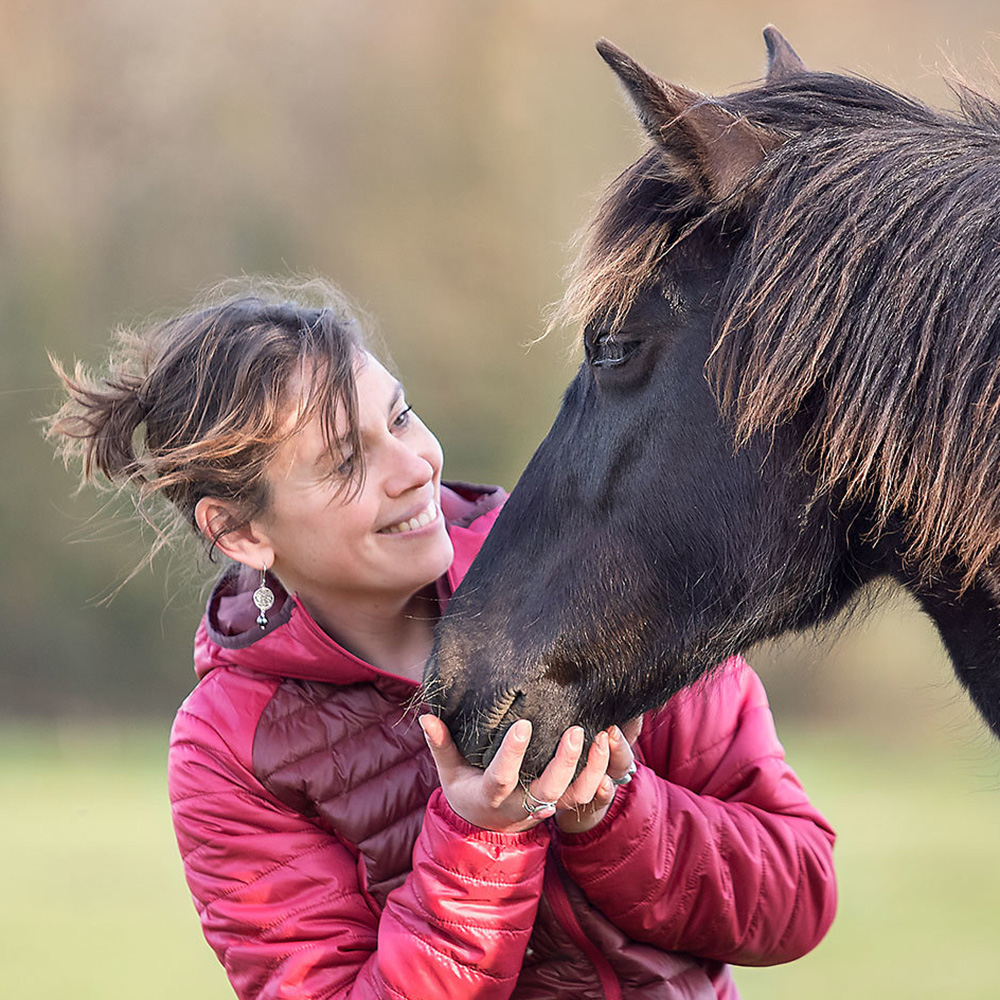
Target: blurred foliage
x=434, y=158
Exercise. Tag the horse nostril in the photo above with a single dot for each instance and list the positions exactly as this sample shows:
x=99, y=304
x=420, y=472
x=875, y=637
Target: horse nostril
x=501, y=707
x=501, y=717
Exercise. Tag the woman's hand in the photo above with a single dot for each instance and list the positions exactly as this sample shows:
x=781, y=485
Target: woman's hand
x=586, y=801
x=494, y=799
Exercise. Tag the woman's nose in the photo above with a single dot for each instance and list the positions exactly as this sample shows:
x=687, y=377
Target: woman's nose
x=411, y=467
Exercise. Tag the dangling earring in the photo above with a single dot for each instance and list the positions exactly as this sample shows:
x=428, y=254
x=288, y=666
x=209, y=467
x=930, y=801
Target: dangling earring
x=263, y=598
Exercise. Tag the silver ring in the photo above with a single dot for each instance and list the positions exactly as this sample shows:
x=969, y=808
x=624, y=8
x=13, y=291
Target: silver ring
x=536, y=805
x=626, y=777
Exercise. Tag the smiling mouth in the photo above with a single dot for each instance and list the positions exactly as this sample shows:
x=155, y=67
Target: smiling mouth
x=421, y=520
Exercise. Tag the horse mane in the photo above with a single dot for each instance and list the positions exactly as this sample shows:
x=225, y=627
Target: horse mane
x=621, y=250
x=862, y=301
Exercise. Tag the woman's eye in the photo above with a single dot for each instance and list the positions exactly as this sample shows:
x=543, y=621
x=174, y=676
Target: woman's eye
x=402, y=418
x=346, y=467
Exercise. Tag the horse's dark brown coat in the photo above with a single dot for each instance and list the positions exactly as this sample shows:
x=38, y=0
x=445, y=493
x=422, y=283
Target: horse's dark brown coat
x=791, y=322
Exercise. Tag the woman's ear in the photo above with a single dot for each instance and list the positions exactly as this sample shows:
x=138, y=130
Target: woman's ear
x=236, y=538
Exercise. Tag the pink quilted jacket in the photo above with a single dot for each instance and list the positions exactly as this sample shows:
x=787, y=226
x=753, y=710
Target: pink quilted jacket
x=325, y=862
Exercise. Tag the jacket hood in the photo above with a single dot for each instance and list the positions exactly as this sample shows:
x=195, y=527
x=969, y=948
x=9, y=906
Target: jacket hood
x=292, y=644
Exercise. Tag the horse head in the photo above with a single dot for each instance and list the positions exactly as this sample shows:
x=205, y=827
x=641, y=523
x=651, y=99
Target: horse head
x=780, y=364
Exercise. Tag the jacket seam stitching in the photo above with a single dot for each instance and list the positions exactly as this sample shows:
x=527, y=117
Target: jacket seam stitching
x=429, y=944
x=263, y=874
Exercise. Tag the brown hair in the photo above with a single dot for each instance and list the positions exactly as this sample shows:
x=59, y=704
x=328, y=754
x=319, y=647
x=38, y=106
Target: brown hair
x=196, y=405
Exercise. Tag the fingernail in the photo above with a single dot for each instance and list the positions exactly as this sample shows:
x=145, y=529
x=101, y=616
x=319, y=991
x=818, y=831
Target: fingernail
x=522, y=729
x=423, y=726
x=575, y=738
x=602, y=741
x=615, y=734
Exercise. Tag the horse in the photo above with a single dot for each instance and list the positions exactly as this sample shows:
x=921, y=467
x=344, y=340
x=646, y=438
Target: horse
x=790, y=315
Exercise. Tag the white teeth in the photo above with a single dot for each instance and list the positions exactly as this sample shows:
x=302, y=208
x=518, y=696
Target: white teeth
x=428, y=514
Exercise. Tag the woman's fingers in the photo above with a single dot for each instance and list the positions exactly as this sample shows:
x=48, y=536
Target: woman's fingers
x=490, y=799
x=503, y=773
x=550, y=785
x=585, y=786
x=620, y=756
x=446, y=755
x=632, y=728
x=604, y=794
x=610, y=759
x=496, y=799
x=585, y=815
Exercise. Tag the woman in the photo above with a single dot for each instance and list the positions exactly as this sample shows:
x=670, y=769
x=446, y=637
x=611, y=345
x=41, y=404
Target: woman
x=334, y=847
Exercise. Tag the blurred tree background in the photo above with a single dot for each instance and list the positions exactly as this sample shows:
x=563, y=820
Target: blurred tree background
x=434, y=158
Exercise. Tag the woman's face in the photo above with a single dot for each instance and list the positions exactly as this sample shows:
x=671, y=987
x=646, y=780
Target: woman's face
x=339, y=549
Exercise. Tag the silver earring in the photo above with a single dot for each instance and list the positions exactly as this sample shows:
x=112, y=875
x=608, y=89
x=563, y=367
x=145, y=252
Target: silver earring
x=263, y=598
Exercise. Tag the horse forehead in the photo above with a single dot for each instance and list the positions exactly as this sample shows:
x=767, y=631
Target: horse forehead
x=683, y=292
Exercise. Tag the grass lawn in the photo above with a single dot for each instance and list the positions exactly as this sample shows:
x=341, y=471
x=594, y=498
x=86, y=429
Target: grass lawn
x=96, y=907
x=918, y=869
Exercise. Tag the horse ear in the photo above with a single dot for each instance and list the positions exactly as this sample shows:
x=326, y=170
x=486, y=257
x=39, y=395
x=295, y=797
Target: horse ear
x=712, y=147
x=783, y=61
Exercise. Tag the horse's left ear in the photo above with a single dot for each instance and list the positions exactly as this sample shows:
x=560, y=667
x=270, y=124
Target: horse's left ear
x=783, y=61
x=710, y=146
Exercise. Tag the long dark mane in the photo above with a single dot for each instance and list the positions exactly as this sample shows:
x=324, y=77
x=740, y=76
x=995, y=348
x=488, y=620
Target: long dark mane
x=863, y=298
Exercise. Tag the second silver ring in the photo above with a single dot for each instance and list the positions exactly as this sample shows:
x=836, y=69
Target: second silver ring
x=626, y=777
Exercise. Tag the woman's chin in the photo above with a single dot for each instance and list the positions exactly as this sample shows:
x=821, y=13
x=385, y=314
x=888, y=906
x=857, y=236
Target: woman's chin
x=425, y=559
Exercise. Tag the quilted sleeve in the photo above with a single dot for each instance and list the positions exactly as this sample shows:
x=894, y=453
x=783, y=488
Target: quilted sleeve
x=282, y=905
x=725, y=856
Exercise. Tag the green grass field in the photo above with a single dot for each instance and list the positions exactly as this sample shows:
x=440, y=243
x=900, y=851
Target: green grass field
x=95, y=905
x=918, y=870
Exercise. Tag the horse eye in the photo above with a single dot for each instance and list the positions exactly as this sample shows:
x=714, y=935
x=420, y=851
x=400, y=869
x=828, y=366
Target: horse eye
x=610, y=353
